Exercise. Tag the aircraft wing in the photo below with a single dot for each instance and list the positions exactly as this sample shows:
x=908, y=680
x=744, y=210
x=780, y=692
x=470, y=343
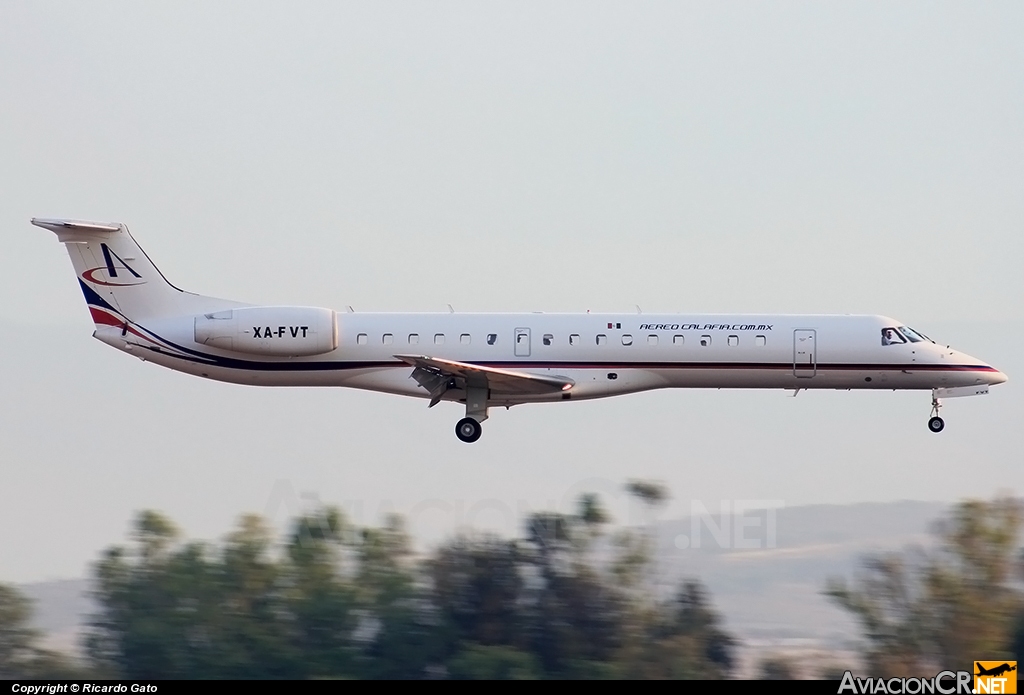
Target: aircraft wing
x=435, y=375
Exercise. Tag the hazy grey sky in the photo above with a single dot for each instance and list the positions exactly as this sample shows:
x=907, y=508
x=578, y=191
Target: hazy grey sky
x=753, y=157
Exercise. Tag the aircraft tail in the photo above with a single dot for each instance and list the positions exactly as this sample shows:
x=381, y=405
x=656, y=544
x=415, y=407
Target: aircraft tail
x=118, y=279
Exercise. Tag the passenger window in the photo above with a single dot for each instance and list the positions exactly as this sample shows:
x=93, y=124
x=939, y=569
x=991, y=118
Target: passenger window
x=602, y=339
x=492, y=338
x=734, y=340
x=677, y=340
x=652, y=340
x=439, y=339
x=574, y=340
x=890, y=336
x=361, y=339
x=414, y=338
x=705, y=340
x=759, y=340
x=388, y=338
x=548, y=339
x=465, y=339
x=627, y=339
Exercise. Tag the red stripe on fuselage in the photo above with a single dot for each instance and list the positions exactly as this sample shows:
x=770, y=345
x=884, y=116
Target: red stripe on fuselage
x=835, y=366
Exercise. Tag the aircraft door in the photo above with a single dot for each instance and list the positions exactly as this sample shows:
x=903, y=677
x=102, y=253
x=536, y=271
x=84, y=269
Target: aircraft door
x=522, y=342
x=805, y=353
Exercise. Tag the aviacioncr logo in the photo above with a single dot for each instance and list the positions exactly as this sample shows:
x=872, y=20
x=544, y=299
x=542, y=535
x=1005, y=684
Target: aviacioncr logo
x=108, y=274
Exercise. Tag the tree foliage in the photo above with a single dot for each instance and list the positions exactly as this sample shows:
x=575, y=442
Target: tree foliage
x=943, y=608
x=16, y=638
x=337, y=600
x=647, y=491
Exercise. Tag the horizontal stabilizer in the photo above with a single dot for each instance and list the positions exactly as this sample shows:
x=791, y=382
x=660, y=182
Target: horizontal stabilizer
x=74, y=231
x=57, y=225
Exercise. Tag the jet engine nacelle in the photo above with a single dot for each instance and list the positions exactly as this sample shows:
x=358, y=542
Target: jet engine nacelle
x=287, y=331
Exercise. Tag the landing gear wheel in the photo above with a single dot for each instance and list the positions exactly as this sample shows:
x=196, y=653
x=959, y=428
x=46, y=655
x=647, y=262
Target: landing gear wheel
x=468, y=430
x=936, y=424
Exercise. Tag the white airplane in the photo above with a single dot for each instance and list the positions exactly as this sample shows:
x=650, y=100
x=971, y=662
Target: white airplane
x=486, y=360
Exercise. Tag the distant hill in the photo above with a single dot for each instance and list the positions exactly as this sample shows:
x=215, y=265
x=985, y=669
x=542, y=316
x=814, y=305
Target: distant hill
x=771, y=597
x=60, y=610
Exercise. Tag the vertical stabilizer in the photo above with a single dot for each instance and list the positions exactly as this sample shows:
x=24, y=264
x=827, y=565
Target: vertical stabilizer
x=118, y=278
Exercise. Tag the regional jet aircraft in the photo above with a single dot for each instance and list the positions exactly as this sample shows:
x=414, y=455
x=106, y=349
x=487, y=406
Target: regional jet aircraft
x=487, y=360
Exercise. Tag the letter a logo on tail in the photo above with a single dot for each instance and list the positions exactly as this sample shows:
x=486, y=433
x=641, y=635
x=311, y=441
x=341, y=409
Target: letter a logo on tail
x=111, y=268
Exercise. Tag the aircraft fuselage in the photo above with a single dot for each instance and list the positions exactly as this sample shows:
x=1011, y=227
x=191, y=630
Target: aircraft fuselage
x=486, y=360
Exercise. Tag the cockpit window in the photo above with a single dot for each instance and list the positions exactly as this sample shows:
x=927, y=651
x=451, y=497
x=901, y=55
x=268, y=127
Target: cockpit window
x=891, y=336
x=913, y=336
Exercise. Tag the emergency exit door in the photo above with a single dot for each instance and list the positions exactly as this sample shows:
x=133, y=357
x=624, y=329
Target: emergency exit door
x=522, y=342
x=805, y=353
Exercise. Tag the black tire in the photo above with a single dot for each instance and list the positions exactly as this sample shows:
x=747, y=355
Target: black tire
x=468, y=430
x=936, y=424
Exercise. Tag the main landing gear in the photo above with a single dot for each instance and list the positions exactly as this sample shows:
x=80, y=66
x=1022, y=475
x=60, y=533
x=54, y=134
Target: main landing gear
x=468, y=428
x=935, y=423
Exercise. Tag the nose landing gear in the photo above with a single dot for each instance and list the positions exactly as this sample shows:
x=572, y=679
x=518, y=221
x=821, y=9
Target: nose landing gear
x=936, y=423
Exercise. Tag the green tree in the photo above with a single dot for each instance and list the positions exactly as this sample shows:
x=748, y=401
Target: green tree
x=396, y=607
x=943, y=607
x=650, y=492
x=681, y=638
x=481, y=662
x=172, y=610
x=545, y=596
x=335, y=600
x=652, y=495
x=591, y=513
x=338, y=601
x=17, y=639
x=320, y=604
x=478, y=585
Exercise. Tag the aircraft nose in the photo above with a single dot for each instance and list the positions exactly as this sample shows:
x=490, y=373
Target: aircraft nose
x=988, y=374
